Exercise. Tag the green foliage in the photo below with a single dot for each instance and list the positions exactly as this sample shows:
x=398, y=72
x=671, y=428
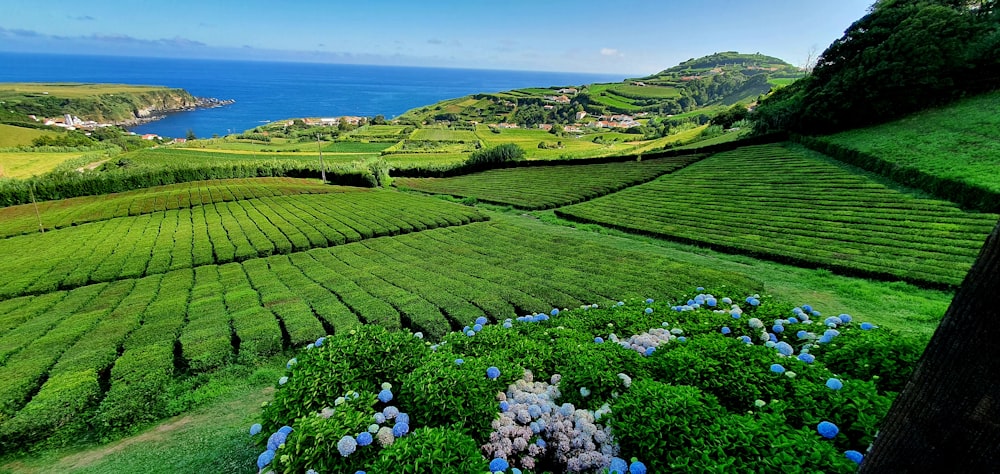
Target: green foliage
x=728, y=117
x=441, y=393
x=313, y=444
x=880, y=356
x=433, y=449
x=491, y=157
x=901, y=57
x=363, y=359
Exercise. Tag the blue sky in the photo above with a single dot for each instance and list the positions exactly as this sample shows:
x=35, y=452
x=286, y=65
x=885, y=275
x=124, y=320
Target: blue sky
x=630, y=38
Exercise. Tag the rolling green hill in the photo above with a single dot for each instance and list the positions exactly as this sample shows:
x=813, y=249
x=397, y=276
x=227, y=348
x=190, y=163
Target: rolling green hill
x=105, y=103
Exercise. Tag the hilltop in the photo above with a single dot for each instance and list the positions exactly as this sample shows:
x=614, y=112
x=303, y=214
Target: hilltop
x=684, y=92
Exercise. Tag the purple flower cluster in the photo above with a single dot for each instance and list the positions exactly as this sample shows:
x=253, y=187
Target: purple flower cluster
x=533, y=425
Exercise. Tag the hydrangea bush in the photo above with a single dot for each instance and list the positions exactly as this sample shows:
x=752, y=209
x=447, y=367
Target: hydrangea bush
x=700, y=384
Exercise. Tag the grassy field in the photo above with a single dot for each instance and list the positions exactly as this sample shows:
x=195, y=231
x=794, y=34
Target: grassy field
x=11, y=136
x=545, y=187
x=789, y=204
x=651, y=92
x=70, y=90
x=573, y=147
x=959, y=142
x=23, y=164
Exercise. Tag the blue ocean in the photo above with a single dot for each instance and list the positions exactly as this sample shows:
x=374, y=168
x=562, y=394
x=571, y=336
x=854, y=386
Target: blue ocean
x=269, y=91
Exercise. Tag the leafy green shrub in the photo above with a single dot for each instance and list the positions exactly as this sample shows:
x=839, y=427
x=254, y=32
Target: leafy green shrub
x=590, y=372
x=313, y=443
x=490, y=157
x=729, y=369
x=441, y=392
x=365, y=357
x=440, y=450
x=878, y=355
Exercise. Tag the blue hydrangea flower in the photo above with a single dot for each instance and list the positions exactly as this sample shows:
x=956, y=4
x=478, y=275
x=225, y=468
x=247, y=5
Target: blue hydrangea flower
x=772, y=337
x=807, y=308
x=265, y=458
x=834, y=384
x=535, y=411
x=727, y=300
x=275, y=440
x=650, y=351
x=291, y=362
x=390, y=412
x=682, y=339
x=459, y=361
x=802, y=334
x=807, y=358
x=403, y=418
x=255, y=429
x=854, y=456
x=637, y=468
x=618, y=465
x=379, y=418
x=283, y=380
x=540, y=443
x=470, y=333
x=700, y=299
x=793, y=320
x=400, y=429
x=320, y=341
x=711, y=302
x=746, y=339
x=347, y=445
x=515, y=471
x=364, y=438
x=482, y=320
x=620, y=303
x=477, y=327
x=649, y=310
x=554, y=312
x=784, y=348
x=649, y=300
x=504, y=406
x=778, y=329
x=499, y=464
x=867, y=326
x=827, y=430
x=754, y=302
x=825, y=339
x=285, y=429
x=846, y=318
x=777, y=368
x=492, y=372
x=507, y=325
x=385, y=396
x=599, y=340
x=725, y=330
x=700, y=288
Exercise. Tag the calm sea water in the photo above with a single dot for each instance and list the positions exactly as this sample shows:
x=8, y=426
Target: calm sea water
x=267, y=91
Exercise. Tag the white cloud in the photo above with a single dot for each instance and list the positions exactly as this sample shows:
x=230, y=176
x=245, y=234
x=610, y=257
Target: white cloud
x=610, y=52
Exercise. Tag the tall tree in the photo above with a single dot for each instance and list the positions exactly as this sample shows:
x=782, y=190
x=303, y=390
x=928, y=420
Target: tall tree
x=948, y=417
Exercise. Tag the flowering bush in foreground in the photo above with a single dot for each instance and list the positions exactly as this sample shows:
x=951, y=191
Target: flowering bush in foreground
x=693, y=385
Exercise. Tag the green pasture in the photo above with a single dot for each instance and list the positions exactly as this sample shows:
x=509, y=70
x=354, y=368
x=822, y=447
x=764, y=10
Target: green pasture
x=959, y=142
x=443, y=134
x=23, y=164
x=645, y=92
x=13, y=136
x=70, y=90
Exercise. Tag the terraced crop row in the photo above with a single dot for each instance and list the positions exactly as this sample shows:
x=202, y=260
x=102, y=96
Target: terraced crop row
x=545, y=187
x=794, y=206
x=22, y=219
x=222, y=232
x=60, y=351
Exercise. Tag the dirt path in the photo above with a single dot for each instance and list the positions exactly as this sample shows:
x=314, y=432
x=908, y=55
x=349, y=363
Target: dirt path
x=91, y=166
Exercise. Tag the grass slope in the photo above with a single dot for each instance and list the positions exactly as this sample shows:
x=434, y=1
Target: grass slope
x=12, y=136
x=957, y=143
x=789, y=204
x=24, y=164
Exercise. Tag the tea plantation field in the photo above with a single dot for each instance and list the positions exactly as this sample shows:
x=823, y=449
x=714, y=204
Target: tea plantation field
x=790, y=205
x=546, y=187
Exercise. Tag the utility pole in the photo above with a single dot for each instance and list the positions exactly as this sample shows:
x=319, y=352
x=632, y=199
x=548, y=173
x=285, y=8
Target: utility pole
x=31, y=193
x=322, y=168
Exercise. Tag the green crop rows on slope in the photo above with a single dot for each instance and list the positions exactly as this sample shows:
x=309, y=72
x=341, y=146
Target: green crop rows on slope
x=100, y=356
x=23, y=219
x=789, y=205
x=222, y=232
x=545, y=187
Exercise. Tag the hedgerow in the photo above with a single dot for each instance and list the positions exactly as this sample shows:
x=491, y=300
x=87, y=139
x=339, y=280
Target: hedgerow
x=707, y=386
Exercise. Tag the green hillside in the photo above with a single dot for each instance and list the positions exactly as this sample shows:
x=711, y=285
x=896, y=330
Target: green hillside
x=105, y=103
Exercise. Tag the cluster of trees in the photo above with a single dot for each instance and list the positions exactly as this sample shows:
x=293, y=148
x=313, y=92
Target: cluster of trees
x=903, y=56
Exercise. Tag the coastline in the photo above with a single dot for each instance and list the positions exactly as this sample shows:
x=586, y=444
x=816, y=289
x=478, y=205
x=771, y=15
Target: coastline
x=143, y=117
